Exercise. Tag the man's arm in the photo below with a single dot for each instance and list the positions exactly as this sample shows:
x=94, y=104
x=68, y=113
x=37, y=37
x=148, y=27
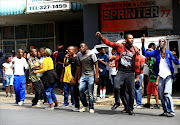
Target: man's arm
x=103, y=62
x=105, y=41
x=174, y=58
x=62, y=75
x=4, y=73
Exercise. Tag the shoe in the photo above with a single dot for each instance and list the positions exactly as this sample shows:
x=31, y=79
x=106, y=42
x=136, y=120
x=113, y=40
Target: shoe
x=139, y=107
x=135, y=106
x=95, y=100
x=49, y=108
x=91, y=111
x=171, y=114
x=11, y=96
x=20, y=103
x=31, y=93
x=73, y=106
x=65, y=105
x=163, y=114
x=124, y=111
x=114, y=107
x=6, y=95
x=45, y=103
x=75, y=110
x=36, y=106
x=156, y=106
x=147, y=105
x=83, y=109
x=111, y=96
x=131, y=113
x=55, y=106
x=40, y=102
x=16, y=102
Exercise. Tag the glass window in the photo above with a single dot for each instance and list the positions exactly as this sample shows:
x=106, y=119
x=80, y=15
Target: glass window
x=38, y=43
x=21, y=32
x=8, y=32
x=41, y=30
x=21, y=45
x=8, y=46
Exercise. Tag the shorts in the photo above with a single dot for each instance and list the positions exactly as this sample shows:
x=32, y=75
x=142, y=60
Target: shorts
x=152, y=89
x=9, y=80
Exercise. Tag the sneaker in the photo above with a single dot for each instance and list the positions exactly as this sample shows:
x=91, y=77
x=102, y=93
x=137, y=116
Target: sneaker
x=49, y=108
x=156, y=106
x=65, y=105
x=73, y=106
x=36, y=106
x=75, y=110
x=163, y=114
x=124, y=111
x=135, y=106
x=147, y=105
x=114, y=107
x=171, y=114
x=139, y=107
x=131, y=113
x=6, y=95
x=83, y=109
x=91, y=111
x=11, y=96
x=20, y=103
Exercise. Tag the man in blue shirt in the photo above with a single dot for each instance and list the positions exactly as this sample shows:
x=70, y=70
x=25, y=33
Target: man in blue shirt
x=102, y=63
x=165, y=71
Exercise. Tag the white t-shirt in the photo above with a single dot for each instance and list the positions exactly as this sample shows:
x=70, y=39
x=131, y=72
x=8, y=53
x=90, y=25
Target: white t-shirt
x=113, y=69
x=164, y=69
x=19, y=65
x=8, y=68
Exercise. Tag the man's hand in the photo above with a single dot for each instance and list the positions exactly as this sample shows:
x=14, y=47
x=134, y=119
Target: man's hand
x=67, y=56
x=174, y=53
x=111, y=58
x=99, y=34
x=156, y=83
x=13, y=62
x=143, y=38
x=34, y=72
x=137, y=79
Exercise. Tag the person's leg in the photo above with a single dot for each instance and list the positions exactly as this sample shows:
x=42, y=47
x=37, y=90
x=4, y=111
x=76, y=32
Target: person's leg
x=119, y=80
x=76, y=95
x=101, y=84
x=31, y=86
x=104, y=86
x=124, y=96
x=155, y=92
x=1, y=72
x=22, y=88
x=7, y=83
x=95, y=91
x=138, y=91
x=37, y=93
x=11, y=83
x=17, y=88
x=168, y=93
x=49, y=95
x=53, y=94
x=66, y=94
x=72, y=96
x=129, y=80
x=82, y=86
x=90, y=91
x=161, y=87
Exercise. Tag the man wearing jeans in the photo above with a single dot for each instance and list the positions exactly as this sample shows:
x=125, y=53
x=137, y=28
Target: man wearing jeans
x=165, y=71
x=87, y=60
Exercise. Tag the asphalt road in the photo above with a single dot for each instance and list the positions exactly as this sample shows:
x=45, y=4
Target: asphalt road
x=12, y=114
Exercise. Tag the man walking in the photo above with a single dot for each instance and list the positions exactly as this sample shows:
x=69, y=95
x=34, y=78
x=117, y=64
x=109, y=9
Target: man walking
x=127, y=63
x=19, y=63
x=165, y=71
x=87, y=60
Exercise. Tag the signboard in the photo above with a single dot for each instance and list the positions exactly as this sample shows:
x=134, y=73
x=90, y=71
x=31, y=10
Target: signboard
x=136, y=15
x=34, y=6
x=114, y=37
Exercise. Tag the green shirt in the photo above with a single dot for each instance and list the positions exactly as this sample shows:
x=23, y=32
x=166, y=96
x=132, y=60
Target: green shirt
x=32, y=63
x=151, y=64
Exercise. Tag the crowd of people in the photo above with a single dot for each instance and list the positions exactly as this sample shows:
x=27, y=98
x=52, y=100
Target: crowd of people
x=81, y=72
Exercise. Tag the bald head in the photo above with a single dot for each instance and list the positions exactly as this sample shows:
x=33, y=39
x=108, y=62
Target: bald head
x=71, y=50
x=162, y=43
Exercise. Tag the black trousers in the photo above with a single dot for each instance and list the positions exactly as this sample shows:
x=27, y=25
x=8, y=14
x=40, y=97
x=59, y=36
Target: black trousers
x=127, y=81
x=124, y=96
x=76, y=95
x=39, y=90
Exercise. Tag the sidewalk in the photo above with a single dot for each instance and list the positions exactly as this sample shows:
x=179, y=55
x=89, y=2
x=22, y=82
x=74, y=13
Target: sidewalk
x=103, y=102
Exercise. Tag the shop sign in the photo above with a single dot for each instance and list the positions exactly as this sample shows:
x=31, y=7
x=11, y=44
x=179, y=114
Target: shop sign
x=114, y=37
x=136, y=15
x=34, y=6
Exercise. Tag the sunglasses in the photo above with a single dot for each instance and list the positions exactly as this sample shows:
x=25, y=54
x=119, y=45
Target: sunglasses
x=161, y=41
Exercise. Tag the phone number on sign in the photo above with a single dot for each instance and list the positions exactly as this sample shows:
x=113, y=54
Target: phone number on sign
x=45, y=7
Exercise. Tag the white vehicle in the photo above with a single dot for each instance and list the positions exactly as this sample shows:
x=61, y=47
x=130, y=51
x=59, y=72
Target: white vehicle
x=172, y=41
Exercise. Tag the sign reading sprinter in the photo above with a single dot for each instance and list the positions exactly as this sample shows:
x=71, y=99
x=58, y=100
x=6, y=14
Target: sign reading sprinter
x=136, y=15
x=43, y=6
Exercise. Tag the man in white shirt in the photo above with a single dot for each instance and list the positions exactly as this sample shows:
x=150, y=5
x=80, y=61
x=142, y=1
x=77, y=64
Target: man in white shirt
x=19, y=63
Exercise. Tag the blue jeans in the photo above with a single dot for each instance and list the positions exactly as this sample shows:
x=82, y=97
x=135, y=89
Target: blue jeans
x=82, y=85
x=19, y=87
x=50, y=94
x=138, y=95
x=1, y=72
x=165, y=92
x=9, y=79
x=67, y=86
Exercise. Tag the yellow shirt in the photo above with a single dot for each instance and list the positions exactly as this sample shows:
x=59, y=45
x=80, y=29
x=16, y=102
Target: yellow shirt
x=67, y=73
x=47, y=64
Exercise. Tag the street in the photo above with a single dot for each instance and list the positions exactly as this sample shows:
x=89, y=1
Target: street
x=12, y=114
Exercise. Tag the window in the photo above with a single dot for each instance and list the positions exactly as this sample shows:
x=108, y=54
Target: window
x=21, y=32
x=8, y=46
x=173, y=45
x=8, y=32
